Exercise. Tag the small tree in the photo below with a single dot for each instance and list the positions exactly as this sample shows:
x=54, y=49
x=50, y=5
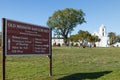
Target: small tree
x=94, y=39
x=112, y=37
x=64, y=21
x=83, y=37
x=74, y=37
x=117, y=38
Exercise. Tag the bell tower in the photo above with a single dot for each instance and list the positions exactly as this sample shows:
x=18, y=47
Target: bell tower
x=102, y=31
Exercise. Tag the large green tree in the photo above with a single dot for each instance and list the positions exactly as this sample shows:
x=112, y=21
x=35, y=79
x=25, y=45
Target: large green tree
x=64, y=21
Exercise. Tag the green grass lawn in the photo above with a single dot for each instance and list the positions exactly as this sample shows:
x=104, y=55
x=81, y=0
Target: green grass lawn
x=68, y=64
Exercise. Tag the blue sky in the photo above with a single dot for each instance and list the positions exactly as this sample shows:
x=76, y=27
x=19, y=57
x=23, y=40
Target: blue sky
x=97, y=12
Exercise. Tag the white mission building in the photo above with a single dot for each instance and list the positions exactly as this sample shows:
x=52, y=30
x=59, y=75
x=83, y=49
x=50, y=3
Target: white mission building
x=102, y=34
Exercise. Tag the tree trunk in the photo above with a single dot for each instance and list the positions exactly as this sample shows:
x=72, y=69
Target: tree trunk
x=65, y=40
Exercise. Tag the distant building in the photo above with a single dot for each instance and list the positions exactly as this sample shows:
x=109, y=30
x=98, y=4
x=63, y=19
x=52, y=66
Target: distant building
x=57, y=41
x=117, y=44
x=102, y=34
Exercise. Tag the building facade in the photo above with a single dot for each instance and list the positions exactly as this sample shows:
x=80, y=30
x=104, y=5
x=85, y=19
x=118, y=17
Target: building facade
x=102, y=34
x=57, y=41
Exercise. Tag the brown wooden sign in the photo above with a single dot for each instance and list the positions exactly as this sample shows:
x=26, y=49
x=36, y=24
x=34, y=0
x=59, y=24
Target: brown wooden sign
x=26, y=39
x=19, y=38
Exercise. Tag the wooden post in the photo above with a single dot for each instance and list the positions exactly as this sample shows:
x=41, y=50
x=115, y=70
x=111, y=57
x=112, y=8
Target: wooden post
x=3, y=49
x=50, y=66
x=50, y=56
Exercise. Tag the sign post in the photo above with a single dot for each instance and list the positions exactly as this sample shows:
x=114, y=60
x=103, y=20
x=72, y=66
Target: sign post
x=50, y=57
x=23, y=39
x=3, y=50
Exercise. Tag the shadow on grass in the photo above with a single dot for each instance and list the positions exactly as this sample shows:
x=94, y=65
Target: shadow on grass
x=82, y=76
